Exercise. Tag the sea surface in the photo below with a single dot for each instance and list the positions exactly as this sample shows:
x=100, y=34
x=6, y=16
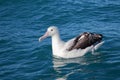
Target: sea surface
x=23, y=57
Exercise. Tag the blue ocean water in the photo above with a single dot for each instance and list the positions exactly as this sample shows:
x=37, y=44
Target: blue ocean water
x=22, y=22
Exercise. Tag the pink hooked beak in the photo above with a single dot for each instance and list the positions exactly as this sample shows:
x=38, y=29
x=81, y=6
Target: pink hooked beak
x=44, y=36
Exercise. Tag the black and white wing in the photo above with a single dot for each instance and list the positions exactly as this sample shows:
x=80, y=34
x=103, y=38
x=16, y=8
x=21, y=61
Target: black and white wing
x=85, y=40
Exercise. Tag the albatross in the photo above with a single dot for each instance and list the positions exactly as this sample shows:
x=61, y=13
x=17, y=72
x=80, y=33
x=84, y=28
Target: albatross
x=75, y=47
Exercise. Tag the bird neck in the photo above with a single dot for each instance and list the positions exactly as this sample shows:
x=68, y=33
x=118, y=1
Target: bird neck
x=56, y=38
x=57, y=43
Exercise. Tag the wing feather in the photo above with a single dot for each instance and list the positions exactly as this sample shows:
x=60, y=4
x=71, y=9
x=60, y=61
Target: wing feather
x=84, y=40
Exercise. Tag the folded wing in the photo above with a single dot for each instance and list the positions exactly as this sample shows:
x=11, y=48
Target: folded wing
x=85, y=40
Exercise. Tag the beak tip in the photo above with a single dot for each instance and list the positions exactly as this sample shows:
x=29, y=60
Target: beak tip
x=40, y=39
x=43, y=37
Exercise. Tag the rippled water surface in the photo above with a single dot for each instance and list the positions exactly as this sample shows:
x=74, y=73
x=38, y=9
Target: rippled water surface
x=22, y=22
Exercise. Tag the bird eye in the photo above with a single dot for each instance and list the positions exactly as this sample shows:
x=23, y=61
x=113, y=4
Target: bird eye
x=51, y=29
